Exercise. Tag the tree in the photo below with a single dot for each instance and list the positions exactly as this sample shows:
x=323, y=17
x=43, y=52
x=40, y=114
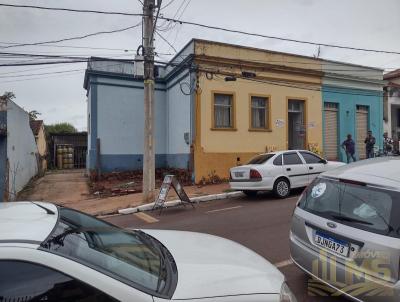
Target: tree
x=7, y=96
x=33, y=115
x=60, y=128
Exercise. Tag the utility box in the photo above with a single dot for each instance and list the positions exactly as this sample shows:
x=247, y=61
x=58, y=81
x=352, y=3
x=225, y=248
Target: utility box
x=139, y=66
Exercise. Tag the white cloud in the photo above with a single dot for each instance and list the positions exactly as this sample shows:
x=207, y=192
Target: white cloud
x=360, y=23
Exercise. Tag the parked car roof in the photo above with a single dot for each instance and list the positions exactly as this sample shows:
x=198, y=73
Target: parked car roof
x=25, y=222
x=285, y=151
x=382, y=171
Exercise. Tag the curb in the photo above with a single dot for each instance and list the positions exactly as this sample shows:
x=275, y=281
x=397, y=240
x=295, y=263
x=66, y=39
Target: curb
x=172, y=203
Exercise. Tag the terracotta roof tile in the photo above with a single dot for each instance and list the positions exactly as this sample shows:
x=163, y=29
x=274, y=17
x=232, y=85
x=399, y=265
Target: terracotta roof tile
x=392, y=74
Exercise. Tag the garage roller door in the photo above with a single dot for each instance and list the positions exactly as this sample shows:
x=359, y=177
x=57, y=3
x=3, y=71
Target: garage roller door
x=331, y=131
x=362, y=128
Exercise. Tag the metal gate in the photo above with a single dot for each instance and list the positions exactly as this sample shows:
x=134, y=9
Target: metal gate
x=331, y=131
x=80, y=157
x=362, y=128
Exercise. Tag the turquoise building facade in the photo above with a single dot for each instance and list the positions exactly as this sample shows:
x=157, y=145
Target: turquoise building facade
x=353, y=103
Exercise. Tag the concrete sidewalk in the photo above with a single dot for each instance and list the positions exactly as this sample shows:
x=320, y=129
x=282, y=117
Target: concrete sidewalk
x=69, y=188
x=111, y=205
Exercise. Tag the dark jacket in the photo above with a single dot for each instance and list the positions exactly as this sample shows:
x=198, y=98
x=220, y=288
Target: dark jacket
x=349, y=146
x=370, y=143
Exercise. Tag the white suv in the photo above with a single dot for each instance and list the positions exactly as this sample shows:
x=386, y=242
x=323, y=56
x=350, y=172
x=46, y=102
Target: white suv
x=50, y=253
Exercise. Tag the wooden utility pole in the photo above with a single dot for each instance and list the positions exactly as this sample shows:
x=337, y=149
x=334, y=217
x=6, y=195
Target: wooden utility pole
x=149, y=150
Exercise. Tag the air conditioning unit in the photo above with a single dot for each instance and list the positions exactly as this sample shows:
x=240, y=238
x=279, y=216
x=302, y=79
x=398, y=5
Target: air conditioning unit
x=139, y=66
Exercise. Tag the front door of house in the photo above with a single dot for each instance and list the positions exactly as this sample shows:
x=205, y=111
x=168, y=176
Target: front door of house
x=362, y=128
x=296, y=125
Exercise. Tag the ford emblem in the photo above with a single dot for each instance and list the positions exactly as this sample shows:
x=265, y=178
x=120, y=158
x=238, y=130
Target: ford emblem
x=332, y=225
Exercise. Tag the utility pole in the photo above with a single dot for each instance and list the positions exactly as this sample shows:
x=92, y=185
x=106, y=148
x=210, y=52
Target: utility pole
x=148, y=152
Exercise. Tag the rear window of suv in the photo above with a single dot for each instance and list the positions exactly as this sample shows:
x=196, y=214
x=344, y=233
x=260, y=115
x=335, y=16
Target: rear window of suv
x=360, y=206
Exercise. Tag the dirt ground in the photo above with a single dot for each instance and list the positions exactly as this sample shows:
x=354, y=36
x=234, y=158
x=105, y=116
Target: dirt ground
x=61, y=187
x=70, y=188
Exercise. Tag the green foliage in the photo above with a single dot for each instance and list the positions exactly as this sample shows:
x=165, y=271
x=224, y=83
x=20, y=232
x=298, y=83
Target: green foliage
x=7, y=96
x=33, y=115
x=60, y=128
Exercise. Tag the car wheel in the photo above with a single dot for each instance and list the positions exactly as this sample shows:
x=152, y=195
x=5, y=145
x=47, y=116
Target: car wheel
x=282, y=188
x=250, y=193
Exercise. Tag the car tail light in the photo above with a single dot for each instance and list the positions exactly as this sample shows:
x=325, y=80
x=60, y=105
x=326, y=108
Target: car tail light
x=254, y=174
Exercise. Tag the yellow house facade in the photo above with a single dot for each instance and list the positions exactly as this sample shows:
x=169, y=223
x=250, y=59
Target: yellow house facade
x=252, y=101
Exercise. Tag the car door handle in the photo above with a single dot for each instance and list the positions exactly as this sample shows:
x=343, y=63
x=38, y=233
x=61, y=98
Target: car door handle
x=288, y=169
x=311, y=168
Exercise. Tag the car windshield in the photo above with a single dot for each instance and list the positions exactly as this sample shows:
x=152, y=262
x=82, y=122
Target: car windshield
x=132, y=257
x=360, y=206
x=260, y=159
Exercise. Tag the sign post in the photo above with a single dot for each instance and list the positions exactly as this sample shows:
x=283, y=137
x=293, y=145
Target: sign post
x=171, y=181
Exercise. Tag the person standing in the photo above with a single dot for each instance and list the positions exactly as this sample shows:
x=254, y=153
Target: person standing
x=349, y=147
x=387, y=144
x=369, y=144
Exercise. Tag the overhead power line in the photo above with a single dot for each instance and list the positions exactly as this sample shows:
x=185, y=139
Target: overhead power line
x=42, y=73
x=73, y=38
x=42, y=63
x=29, y=70
x=155, y=21
x=309, y=65
x=279, y=38
x=19, y=54
x=39, y=78
x=71, y=46
x=70, y=10
x=281, y=83
x=207, y=27
x=166, y=41
x=79, y=59
x=309, y=87
x=28, y=77
x=168, y=4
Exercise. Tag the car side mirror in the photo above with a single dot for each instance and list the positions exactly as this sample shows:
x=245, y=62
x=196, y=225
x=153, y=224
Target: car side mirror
x=323, y=161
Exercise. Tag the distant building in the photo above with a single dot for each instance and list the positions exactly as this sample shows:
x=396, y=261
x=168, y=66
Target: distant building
x=77, y=142
x=18, y=151
x=392, y=105
x=352, y=104
x=217, y=105
x=37, y=127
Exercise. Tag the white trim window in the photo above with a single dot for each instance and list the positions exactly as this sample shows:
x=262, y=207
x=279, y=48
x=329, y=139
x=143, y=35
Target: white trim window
x=259, y=112
x=223, y=110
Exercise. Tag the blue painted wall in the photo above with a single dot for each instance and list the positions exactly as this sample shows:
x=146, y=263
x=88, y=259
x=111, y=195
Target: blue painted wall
x=127, y=162
x=178, y=120
x=115, y=115
x=347, y=100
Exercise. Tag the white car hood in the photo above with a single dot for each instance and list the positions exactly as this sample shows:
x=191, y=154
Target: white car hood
x=210, y=266
x=335, y=164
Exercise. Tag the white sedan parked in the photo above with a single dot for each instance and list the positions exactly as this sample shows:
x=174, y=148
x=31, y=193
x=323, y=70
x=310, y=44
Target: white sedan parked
x=279, y=172
x=50, y=253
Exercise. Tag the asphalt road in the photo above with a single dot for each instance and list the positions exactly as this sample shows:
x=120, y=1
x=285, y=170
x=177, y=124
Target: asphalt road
x=261, y=223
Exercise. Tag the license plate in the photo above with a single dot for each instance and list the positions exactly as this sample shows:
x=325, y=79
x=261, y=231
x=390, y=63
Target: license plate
x=332, y=244
x=239, y=174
